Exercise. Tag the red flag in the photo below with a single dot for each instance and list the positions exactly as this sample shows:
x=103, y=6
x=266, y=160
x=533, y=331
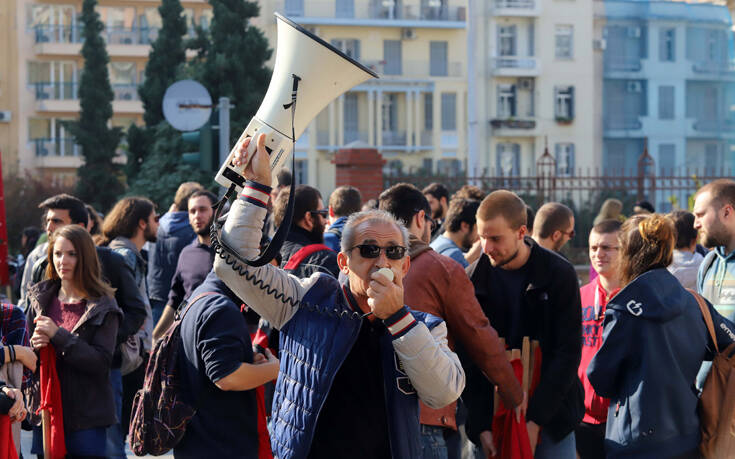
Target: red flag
x=7, y=446
x=509, y=435
x=51, y=401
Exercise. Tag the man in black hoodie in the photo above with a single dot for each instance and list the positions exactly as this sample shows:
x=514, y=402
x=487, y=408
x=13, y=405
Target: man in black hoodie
x=528, y=291
x=304, y=252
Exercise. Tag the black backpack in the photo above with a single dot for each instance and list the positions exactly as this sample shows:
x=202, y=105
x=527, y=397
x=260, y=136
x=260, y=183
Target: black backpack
x=159, y=414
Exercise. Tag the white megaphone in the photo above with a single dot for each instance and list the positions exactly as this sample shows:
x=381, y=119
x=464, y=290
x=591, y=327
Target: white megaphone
x=309, y=73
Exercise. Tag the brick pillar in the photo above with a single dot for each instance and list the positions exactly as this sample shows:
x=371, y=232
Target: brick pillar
x=362, y=167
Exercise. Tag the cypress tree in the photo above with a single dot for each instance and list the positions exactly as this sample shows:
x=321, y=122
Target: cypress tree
x=99, y=182
x=232, y=62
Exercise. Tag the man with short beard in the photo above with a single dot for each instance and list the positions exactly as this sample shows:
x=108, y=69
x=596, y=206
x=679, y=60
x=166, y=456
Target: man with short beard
x=438, y=197
x=461, y=231
x=195, y=260
x=714, y=218
x=304, y=252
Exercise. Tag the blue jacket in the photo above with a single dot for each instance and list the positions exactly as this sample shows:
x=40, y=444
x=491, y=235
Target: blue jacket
x=303, y=345
x=174, y=233
x=654, y=342
x=333, y=235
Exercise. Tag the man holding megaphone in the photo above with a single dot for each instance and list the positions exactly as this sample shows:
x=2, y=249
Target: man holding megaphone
x=354, y=359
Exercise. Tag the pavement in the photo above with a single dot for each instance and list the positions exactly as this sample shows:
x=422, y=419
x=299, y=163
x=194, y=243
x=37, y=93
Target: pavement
x=26, y=439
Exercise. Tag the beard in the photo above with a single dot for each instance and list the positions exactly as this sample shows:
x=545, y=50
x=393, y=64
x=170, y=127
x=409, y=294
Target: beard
x=150, y=235
x=204, y=231
x=317, y=232
x=467, y=242
x=716, y=236
x=505, y=261
x=437, y=214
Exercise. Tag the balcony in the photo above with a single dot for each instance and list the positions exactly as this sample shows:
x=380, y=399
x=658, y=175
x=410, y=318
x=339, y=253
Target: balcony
x=517, y=8
x=625, y=123
x=622, y=64
x=67, y=40
x=722, y=126
x=418, y=69
x=354, y=136
x=55, y=147
x=385, y=13
x=515, y=66
x=511, y=123
x=394, y=138
x=714, y=68
x=63, y=97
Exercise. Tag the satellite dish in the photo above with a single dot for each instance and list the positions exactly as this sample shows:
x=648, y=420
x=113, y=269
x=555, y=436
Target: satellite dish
x=187, y=105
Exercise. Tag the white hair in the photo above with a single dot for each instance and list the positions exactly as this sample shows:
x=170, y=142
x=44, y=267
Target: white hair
x=370, y=216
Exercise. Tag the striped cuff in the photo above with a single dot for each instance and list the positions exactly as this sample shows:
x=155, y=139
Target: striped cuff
x=255, y=193
x=400, y=323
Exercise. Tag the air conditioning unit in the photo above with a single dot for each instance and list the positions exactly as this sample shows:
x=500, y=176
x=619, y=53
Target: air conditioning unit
x=634, y=86
x=634, y=32
x=525, y=84
x=5, y=116
x=408, y=34
x=600, y=44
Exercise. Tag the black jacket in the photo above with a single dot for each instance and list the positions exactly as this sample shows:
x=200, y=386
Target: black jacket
x=551, y=313
x=324, y=261
x=83, y=358
x=127, y=295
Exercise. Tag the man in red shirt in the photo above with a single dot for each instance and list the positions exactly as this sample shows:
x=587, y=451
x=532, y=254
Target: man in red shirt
x=604, y=247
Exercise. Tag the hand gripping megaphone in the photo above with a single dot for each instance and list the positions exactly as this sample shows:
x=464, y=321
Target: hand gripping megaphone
x=308, y=74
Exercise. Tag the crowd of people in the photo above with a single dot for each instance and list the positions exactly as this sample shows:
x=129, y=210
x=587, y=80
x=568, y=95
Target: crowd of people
x=415, y=325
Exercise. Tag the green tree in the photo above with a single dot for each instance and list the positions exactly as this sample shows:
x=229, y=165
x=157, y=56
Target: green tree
x=231, y=59
x=99, y=178
x=162, y=172
x=167, y=56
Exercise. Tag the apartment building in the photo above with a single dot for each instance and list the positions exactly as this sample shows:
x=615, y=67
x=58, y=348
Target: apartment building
x=668, y=77
x=42, y=66
x=415, y=113
x=536, y=85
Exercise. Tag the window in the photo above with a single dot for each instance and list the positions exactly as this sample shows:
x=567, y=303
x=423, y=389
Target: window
x=666, y=102
x=345, y=9
x=438, y=57
x=449, y=111
x=122, y=79
x=666, y=158
x=449, y=167
x=150, y=23
x=205, y=20
x=507, y=40
x=564, y=103
x=506, y=100
x=531, y=39
x=429, y=111
x=393, y=168
x=301, y=172
x=390, y=115
x=294, y=8
x=667, y=45
x=53, y=80
x=508, y=159
x=427, y=166
x=564, y=38
x=351, y=132
x=564, y=155
x=349, y=46
x=711, y=157
x=48, y=138
x=392, y=56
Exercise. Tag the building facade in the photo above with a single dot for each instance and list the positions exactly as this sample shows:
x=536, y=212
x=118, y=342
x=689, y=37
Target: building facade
x=415, y=113
x=43, y=67
x=668, y=79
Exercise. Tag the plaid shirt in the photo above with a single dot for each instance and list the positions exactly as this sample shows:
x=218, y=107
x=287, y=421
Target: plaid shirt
x=13, y=330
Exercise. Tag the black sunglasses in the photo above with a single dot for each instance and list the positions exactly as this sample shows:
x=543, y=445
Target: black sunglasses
x=394, y=252
x=323, y=212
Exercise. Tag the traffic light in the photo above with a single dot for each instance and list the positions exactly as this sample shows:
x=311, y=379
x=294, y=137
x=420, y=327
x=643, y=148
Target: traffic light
x=202, y=146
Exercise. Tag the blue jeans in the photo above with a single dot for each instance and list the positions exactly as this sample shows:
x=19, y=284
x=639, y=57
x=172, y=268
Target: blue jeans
x=157, y=307
x=433, y=445
x=116, y=433
x=565, y=448
x=87, y=442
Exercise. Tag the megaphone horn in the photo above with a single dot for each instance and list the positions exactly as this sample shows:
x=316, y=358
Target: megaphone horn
x=315, y=73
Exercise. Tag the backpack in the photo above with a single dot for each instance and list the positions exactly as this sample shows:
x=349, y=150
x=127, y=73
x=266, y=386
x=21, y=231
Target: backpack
x=159, y=415
x=717, y=403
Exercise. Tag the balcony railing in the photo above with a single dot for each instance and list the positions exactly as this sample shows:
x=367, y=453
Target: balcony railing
x=352, y=136
x=125, y=91
x=512, y=123
x=55, y=91
x=376, y=9
x=513, y=62
x=515, y=4
x=626, y=123
x=112, y=35
x=622, y=64
x=59, y=146
x=394, y=138
x=718, y=125
x=713, y=67
x=418, y=69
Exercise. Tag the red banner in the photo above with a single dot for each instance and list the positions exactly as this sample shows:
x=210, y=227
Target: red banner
x=4, y=274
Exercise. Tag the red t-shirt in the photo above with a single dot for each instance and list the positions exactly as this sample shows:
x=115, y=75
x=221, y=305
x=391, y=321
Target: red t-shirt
x=66, y=315
x=595, y=407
